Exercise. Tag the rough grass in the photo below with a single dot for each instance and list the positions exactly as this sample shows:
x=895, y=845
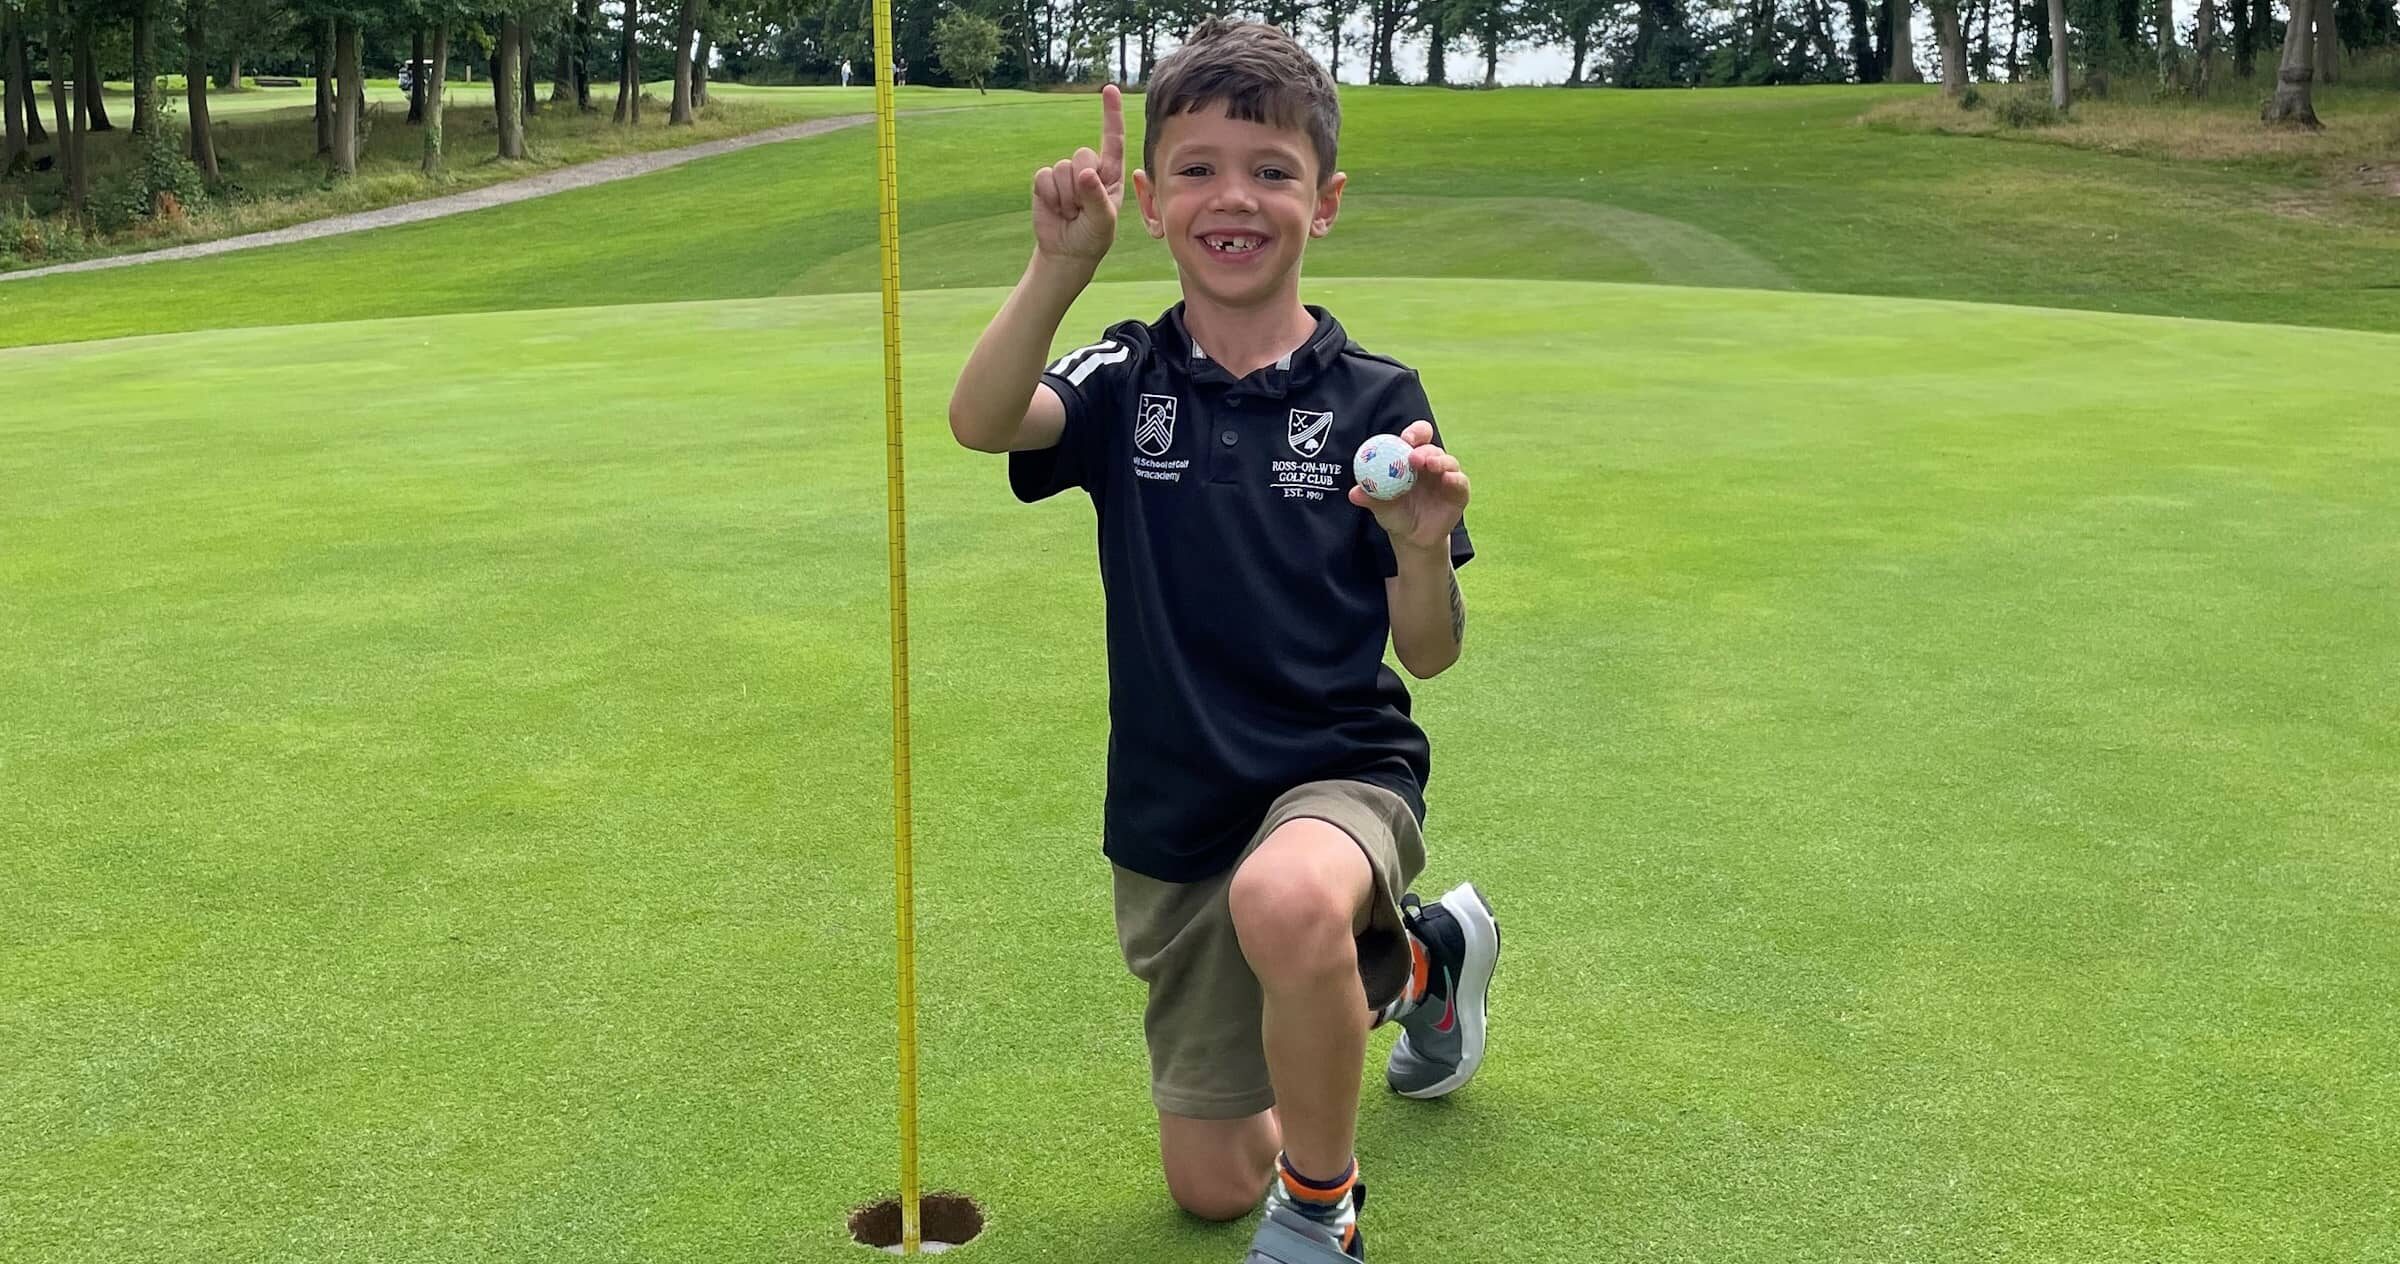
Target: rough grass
x=272, y=177
x=2361, y=116
x=1937, y=765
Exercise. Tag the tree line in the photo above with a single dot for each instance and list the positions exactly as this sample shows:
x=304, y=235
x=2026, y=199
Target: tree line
x=72, y=46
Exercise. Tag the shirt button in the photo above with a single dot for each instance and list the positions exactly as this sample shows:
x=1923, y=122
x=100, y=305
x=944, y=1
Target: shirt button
x=1229, y=438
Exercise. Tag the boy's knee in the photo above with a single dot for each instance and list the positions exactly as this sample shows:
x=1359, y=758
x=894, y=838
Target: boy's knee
x=1218, y=1196
x=1296, y=901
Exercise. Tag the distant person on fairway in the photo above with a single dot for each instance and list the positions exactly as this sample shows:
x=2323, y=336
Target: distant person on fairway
x=845, y=72
x=1265, y=781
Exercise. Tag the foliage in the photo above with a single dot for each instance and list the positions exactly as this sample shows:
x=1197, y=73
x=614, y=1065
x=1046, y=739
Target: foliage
x=968, y=45
x=2026, y=110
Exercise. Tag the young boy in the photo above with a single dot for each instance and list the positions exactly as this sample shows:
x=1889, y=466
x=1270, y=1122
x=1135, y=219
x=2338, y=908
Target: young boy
x=1265, y=781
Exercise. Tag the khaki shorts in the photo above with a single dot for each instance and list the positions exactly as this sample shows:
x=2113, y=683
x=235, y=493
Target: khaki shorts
x=1202, y=1022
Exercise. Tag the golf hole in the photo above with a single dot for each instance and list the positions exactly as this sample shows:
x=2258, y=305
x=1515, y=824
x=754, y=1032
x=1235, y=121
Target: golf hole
x=947, y=1222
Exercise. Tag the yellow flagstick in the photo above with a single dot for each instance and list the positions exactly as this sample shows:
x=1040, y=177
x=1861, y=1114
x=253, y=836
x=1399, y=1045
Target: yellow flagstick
x=887, y=173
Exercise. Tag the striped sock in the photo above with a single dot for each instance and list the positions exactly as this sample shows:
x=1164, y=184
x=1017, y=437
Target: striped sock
x=1420, y=984
x=1324, y=1201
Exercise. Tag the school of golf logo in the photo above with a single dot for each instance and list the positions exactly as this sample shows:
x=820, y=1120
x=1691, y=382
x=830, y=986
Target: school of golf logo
x=1309, y=430
x=1154, y=424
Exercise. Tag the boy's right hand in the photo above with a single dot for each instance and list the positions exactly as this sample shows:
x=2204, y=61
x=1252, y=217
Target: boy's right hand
x=1075, y=200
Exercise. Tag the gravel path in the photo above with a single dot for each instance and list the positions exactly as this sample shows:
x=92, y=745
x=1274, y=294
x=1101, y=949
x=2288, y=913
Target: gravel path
x=580, y=176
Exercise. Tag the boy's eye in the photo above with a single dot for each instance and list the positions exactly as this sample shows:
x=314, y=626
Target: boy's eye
x=1274, y=173
x=1195, y=170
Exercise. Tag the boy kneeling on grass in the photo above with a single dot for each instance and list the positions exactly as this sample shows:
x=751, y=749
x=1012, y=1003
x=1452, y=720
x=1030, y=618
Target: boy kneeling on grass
x=1265, y=781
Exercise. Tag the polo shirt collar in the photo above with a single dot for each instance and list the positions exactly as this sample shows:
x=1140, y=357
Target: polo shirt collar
x=1324, y=346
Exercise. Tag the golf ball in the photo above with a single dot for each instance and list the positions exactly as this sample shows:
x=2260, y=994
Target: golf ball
x=1382, y=468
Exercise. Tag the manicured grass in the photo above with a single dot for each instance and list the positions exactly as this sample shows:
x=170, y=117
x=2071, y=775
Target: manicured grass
x=1760, y=188
x=1936, y=765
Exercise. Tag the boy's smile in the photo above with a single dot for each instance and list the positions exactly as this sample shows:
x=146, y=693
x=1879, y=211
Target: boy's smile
x=1236, y=202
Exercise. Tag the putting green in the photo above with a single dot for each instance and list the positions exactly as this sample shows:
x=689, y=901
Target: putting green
x=1935, y=764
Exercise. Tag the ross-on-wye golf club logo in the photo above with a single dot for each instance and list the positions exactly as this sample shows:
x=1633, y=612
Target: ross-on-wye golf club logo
x=1154, y=424
x=1309, y=430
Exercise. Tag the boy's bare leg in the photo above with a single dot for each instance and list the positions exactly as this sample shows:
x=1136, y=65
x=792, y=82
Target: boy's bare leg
x=1298, y=904
x=1216, y=1167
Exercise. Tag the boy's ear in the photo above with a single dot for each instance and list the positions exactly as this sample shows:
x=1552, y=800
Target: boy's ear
x=1145, y=195
x=1329, y=204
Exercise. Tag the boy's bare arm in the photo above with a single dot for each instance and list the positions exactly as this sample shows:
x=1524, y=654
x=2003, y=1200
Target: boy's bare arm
x=1428, y=612
x=1000, y=404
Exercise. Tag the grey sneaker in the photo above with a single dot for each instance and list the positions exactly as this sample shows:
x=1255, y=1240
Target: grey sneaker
x=1287, y=1235
x=1441, y=1041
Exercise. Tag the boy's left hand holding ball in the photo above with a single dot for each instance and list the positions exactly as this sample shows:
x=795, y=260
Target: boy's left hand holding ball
x=1423, y=516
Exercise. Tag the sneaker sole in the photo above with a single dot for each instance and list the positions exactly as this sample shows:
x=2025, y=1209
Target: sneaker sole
x=1482, y=931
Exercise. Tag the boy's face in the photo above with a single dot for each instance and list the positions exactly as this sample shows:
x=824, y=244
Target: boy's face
x=1236, y=203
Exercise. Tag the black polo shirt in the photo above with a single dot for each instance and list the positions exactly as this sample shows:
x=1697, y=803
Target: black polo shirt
x=1246, y=610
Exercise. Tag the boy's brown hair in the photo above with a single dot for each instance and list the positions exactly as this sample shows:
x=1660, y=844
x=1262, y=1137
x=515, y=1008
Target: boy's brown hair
x=1258, y=73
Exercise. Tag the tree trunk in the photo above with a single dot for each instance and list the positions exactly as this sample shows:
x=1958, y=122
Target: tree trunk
x=1580, y=47
x=2016, y=37
x=587, y=19
x=2329, y=45
x=1904, y=49
x=13, y=90
x=68, y=107
x=507, y=102
x=2162, y=34
x=233, y=71
x=2292, y=102
x=629, y=68
x=528, y=95
x=35, y=133
x=145, y=72
x=431, y=164
x=1491, y=62
x=687, y=22
x=2204, y=45
x=1862, y=48
x=87, y=82
x=1953, y=40
x=1980, y=64
x=2058, y=54
x=700, y=68
x=562, y=71
x=416, y=75
x=1149, y=46
x=1437, y=40
x=345, y=102
x=325, y=88
x=1125, y=69
x=195, y=90
x=2245, y=39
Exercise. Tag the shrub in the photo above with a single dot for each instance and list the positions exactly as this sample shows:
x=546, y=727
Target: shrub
x=2023, y=111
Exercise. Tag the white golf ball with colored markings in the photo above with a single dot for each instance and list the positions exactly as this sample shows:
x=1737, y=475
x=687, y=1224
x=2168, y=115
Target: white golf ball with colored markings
x=1382, y=468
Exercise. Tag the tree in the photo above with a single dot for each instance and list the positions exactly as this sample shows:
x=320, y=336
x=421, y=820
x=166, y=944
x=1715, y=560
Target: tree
x=1903, y=43
x=967, y=45
x=1493, y=25
x=439, y=71
x=2204, y=45
x=687, y=29
x=508, y=100
x=629, y=70
x=2058, y=55
x=144, y=56
x=195, y=88
x=13, y=89
x=1662, y=52
x=1953, y=40
x=2162, y=36
x=1576, y=24
x=2329, y=43
x=347, y=99
x=1863, y=62
x=94, y=103
x=67, y=108
x=2293, y=103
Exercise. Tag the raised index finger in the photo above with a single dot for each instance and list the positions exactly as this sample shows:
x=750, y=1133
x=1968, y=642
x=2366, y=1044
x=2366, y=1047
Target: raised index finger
x=1112, y=134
